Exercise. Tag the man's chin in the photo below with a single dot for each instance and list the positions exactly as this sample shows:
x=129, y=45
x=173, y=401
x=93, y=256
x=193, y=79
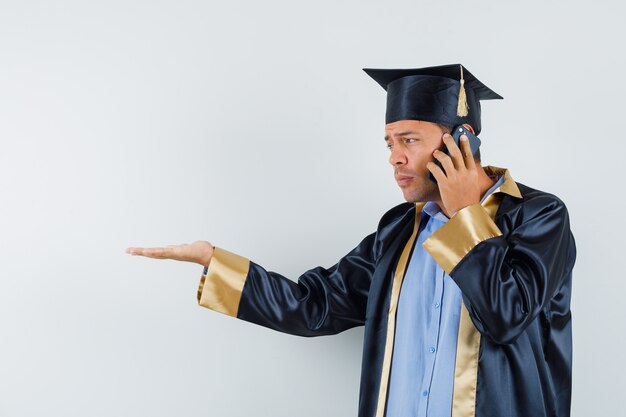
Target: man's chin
x=419, y=196
x=415, y=200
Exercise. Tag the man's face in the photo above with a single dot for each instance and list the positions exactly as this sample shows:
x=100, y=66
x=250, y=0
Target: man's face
x=412, y=144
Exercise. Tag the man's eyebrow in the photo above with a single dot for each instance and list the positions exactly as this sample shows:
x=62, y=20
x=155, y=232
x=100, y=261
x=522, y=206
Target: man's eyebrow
x=403, y=133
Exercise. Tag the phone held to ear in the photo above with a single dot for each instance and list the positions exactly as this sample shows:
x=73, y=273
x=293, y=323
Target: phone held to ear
x=456, y=135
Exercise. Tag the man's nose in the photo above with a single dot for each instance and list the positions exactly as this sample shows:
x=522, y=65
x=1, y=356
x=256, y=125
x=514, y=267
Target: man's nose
x=397, y=156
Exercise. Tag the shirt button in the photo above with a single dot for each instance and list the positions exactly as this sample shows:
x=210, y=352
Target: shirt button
x=432, y=349
x=436, y=305
x=425, y=393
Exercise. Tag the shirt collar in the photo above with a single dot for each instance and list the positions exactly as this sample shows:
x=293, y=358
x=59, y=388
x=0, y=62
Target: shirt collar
x=508, y=186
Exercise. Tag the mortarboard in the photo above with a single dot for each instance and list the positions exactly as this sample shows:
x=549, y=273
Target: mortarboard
x=446, y=94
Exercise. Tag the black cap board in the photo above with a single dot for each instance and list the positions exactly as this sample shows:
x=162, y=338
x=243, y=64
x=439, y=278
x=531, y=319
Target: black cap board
x=446, y=94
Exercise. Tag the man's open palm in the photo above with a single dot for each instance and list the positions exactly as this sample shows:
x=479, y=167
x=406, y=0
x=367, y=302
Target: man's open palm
x=199, y=252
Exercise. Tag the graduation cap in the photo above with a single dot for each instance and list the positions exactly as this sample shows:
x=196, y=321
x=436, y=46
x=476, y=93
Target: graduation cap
x=446, y=94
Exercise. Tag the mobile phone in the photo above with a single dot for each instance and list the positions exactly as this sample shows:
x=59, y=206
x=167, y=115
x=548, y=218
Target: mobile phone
x=456, y=135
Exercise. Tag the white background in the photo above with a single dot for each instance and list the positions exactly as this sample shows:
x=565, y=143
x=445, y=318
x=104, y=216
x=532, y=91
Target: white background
x=251, y=124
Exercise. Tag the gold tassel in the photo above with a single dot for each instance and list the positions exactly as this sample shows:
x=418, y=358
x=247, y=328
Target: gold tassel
x=462, y=107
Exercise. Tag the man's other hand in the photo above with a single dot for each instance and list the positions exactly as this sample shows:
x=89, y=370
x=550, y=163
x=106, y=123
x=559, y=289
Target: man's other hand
x=199, y=252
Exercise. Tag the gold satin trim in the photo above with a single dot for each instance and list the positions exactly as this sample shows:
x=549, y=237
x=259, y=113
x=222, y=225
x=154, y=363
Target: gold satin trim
x=221, y=289
x=452, y=241
x=466, y=368
x=398, y=277
x=468, y=347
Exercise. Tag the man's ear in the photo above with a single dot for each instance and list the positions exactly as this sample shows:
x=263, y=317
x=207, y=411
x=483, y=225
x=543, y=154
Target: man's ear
x=469, y=127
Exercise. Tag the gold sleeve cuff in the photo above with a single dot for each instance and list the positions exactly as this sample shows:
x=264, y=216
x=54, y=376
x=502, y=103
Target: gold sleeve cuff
x=220, y=290
x=452, y=241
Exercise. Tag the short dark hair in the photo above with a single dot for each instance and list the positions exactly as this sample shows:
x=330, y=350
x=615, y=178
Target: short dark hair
x=448, y=129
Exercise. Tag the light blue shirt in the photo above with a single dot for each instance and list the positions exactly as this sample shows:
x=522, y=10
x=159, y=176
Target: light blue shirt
x=427, y=326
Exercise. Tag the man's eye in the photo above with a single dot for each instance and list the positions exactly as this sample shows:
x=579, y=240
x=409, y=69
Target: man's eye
x=388, y=146
x=410, y=140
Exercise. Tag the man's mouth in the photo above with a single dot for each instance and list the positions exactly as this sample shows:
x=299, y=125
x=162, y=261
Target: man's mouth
x=403, y=179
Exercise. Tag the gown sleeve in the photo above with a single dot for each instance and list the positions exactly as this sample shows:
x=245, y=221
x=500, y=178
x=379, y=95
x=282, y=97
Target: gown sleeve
x=506, y=280
x=321, y=302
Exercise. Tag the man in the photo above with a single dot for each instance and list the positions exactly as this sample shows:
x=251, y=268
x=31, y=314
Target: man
x=464, y=290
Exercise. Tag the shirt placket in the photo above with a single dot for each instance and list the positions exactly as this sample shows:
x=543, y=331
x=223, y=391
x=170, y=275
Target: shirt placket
x=432, y=341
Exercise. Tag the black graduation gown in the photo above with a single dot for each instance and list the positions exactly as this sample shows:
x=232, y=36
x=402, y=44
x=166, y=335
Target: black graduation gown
x=511, y=256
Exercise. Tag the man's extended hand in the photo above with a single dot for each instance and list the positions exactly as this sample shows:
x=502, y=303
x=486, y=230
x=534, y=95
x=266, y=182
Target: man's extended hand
x=458, y=185
x=199, y=252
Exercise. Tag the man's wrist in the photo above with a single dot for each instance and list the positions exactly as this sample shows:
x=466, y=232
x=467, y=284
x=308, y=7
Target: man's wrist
x=207, y=260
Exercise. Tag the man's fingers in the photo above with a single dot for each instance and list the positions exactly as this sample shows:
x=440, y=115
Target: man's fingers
x=157, y=253
x=454, y=151
x=436, y=171
x=199, y=252
x=161, y=253
x=446, y=162
x=466, y=149
x=132, y=251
